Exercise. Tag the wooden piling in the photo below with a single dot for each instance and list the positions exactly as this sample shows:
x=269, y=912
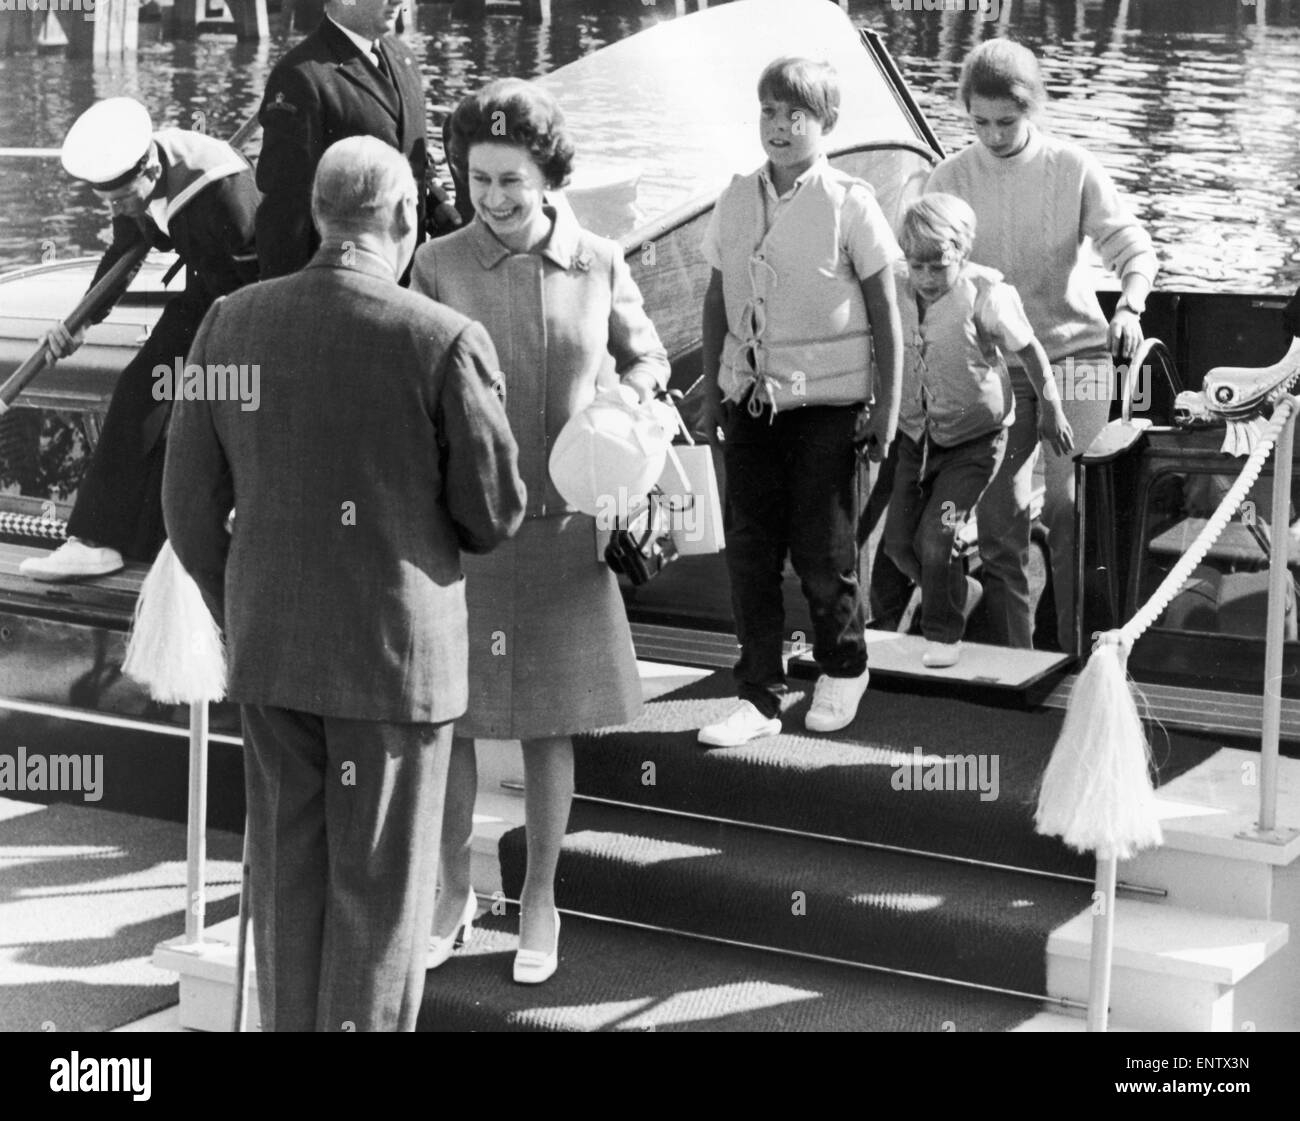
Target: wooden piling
x=108, y=29
x=251, y=20
x=301, y=15
x=18, y=30
x=184, y=23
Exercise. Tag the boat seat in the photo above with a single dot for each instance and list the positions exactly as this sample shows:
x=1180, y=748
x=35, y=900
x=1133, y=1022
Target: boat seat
x=1232, y=603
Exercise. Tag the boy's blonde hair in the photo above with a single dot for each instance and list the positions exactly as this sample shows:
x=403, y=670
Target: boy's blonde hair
x=810, y=85
x=935, y=222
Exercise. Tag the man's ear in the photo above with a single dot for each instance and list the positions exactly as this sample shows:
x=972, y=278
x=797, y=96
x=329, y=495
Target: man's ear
x=405, y=216
x=153, y=169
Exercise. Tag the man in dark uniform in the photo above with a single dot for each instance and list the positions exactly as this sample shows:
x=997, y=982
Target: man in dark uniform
x=349, y=77
x=178, y=190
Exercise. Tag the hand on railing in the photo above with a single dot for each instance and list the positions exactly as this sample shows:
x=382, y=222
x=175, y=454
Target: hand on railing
x=1139, y=378
x=1124, y=335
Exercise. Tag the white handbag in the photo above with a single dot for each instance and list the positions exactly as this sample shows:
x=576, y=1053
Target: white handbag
x=608, y=456
x=689, y=485
x=686, y=505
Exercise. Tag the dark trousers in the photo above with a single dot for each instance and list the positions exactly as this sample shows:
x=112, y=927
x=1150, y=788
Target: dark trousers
x=344, y=822
x=935, y=489
x=119, y=501
x=890, y=591
x=792, y=490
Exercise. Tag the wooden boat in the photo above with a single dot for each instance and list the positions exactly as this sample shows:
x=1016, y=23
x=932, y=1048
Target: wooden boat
x=61, y=647
x=685, y=614
x=881, y=136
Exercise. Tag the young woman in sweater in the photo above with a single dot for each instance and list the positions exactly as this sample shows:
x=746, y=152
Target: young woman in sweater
x=1036, y=198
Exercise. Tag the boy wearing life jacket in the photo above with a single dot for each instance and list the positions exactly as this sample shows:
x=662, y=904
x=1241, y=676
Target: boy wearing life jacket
x=177, y=190
x=958, y=320
x=801, y=294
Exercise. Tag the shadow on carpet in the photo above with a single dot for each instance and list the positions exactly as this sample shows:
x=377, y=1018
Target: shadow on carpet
x=618, y=979
x=85, y=896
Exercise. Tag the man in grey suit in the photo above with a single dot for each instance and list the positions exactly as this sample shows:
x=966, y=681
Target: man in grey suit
x=375, y=452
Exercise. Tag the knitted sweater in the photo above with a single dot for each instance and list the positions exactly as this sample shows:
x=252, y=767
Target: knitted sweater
x=1032, y=212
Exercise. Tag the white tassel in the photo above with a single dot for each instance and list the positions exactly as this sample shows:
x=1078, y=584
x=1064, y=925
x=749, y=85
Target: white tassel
x=1096, y=793
x=176, y=649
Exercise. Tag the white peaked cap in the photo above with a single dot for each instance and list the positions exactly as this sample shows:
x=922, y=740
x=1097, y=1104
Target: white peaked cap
x=611, y=452
x=107, y=141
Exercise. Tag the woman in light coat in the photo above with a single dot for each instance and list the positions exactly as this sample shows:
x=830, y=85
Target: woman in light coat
x=550, y=648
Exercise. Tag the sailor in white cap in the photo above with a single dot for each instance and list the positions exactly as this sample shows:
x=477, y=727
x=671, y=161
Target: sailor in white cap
x=177, y=190
x=110, y=146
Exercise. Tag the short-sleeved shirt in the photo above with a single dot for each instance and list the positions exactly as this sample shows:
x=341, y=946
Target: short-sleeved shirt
x=865, y=232
x=792, y=267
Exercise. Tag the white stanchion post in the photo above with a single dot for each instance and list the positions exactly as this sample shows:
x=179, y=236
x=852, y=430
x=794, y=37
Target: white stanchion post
x=1279, y=573
x=1103, y=941
x=197, y=825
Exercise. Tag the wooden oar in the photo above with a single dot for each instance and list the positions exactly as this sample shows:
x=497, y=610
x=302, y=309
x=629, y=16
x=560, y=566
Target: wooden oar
x=104, y=292
x=244, y=131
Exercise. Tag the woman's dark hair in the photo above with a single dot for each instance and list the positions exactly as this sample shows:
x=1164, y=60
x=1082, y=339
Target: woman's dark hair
x=512, y=111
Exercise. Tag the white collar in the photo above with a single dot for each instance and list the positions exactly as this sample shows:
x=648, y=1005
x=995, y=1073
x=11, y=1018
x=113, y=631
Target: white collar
x=158, y=212
x=765, y=177
x=365, y=46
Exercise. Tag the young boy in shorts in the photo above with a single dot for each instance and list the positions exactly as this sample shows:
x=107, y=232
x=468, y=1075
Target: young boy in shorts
x=802, y=292
x=958, y=319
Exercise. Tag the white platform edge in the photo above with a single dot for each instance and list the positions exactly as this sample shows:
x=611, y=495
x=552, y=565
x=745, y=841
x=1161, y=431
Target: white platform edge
x=1196, y=945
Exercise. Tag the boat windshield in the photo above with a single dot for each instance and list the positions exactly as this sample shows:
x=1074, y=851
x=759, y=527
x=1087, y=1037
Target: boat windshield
x=665, y=118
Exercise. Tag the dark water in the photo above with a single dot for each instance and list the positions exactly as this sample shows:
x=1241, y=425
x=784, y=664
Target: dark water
x=1193, y=106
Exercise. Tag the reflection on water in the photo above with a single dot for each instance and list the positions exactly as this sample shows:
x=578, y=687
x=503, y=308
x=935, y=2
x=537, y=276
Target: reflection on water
x=1193, y=107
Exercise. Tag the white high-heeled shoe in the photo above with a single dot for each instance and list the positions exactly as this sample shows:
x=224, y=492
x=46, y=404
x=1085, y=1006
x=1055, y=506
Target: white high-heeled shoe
x=440, y=948
x=532, y=967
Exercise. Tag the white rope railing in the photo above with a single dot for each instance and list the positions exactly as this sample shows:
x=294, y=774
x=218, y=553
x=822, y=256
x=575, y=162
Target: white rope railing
x=1096, y=792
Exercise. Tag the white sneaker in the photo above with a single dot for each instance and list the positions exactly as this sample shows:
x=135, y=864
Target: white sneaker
x=835, y=702
x=744, y=724
x=940, y=655
x=72, y=560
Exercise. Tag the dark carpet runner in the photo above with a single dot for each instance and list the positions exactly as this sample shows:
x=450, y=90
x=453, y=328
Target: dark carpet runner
x=842, y=901
x=844, y=784
x=620, y=979
x=907, y=912
x=85, y=896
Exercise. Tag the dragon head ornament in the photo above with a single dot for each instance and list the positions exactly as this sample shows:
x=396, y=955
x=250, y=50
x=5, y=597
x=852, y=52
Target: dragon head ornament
x=1240, y=397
